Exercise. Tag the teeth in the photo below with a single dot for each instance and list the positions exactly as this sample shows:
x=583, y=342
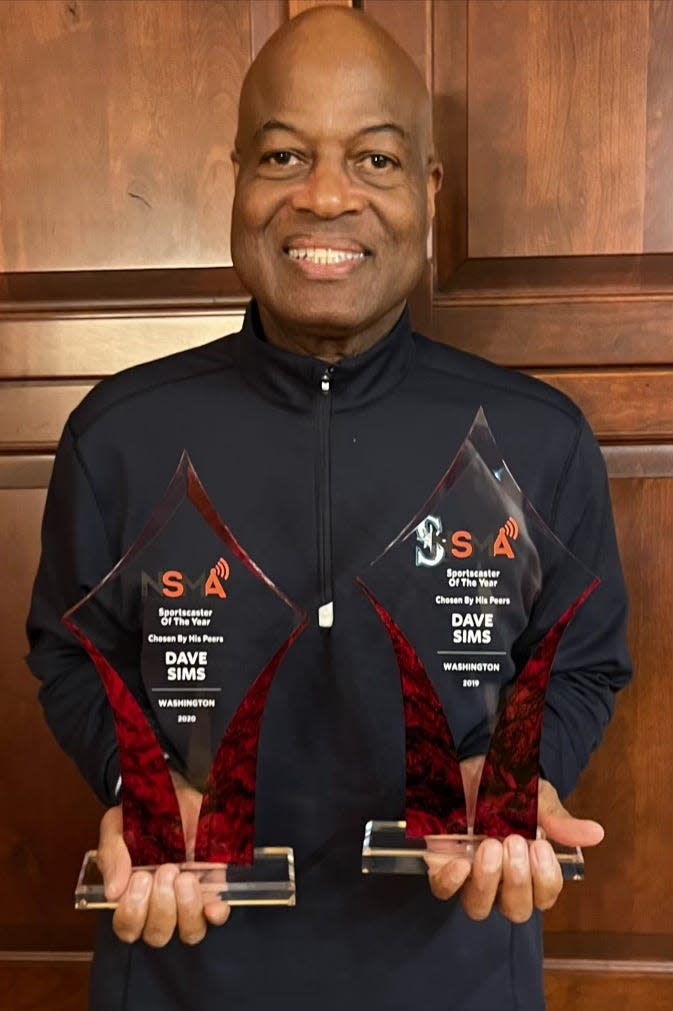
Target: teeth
x=322, y=255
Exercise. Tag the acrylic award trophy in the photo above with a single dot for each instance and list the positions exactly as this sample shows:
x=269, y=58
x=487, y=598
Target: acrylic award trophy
x=187, y=634
x=475, y=594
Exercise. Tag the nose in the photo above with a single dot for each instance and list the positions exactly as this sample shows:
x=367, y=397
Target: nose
x=327, y=191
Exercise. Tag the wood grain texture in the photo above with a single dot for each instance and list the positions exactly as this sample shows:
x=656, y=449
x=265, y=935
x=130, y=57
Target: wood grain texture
x=95, y=344
x=450, y=112
x=573, y=155
x=498, y=45
x=173, y=290
x=639, y=461
x=32, y=416
x=622, y=405
x=408, y=22
x=51, y=817
x=562, y=278
x=629, y=882
x=29, y=471
x=265, y=18
x=584, y=951
x=557, y=159
x=134, y=169
x=49, y=986
x=299, y=6
x=563, y=334
x=658, y=224
x=568, y=991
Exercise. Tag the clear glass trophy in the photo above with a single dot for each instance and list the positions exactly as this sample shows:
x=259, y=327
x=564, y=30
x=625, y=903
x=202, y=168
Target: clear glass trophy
x=187, y=634
x=475, y=593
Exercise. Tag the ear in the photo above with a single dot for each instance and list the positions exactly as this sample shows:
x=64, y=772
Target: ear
x=434, y=184
x=236, y=162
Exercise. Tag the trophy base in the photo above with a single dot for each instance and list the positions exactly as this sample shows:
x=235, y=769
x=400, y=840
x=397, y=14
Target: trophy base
x=269, y=881
x=386, y=850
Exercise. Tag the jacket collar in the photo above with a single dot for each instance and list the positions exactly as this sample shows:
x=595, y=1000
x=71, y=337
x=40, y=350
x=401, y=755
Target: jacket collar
x=294, y=381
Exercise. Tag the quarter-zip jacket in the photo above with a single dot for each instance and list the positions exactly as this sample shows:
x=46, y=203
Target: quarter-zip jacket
x=315, y=470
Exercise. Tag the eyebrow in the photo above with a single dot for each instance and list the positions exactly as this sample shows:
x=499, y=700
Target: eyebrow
x=276, y=124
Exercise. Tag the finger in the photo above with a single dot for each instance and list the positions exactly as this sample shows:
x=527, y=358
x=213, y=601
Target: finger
x=446, y=880
x=162, y=915
x=546, y=873
x=569, y=831
x=560, y=825
x=481, y=888
x=130, y=915
x=215, y=909
x=113, y=857
x=191, y=921
x=516, y=893
x=217, y=913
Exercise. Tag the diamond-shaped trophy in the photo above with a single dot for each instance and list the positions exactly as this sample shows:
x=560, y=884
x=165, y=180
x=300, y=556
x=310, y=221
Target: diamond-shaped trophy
x=187, y=634
x=475, y=593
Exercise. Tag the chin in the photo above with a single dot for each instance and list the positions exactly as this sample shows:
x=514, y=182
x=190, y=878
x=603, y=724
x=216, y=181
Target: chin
x=324, y=320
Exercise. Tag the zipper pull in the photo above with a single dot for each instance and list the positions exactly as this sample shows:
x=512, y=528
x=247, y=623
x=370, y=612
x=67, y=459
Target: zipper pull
x=326, y=615
x=326, y=381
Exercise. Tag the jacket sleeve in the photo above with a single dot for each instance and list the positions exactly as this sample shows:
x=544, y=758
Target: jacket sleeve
x=75, y=556
x=593, y=661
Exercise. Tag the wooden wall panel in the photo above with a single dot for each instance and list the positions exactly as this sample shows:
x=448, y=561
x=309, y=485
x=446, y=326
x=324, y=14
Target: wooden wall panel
x=117, y=121
x=629, y=884
x=569, y=161
x=597, y=991
x=95, y=344
x=50, y=816
x=60, y=984
x=575, y=104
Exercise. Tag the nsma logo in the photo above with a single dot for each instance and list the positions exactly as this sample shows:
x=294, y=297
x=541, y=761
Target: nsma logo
x=173, y=584
x=433, y=544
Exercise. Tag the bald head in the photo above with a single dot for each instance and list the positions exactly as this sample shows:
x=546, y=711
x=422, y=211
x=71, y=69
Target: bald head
x=345, y=44
x=335, y=182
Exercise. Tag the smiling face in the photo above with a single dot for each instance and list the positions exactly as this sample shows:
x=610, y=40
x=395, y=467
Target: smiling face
x=335, y=183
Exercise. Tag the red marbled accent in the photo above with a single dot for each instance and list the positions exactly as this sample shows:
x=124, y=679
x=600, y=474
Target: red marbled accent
x=152, y=824
x=507, y=797
x=226, y=829
x=435, y=799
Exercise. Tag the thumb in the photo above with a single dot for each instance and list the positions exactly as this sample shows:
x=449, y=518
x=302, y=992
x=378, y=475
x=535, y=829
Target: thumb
x=560, y=825
x=113, y=857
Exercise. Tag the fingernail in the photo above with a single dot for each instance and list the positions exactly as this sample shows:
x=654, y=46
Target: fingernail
x=517, y=850
x=166, y=876
x=140, y=886
x=545, y=858
x=185, y=887
x=492, y=857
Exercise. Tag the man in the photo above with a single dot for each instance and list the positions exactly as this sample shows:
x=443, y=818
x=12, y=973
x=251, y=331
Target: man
x=318, y=432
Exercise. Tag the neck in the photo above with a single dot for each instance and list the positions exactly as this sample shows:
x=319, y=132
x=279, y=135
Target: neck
x=316, y=342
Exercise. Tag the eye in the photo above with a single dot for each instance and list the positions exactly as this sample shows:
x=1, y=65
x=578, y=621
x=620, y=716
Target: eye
x=280, y=159
x=379, y=162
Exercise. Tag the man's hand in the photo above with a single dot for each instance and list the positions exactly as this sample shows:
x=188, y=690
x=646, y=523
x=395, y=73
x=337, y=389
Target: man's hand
x=514, y=876
x=151, y=906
